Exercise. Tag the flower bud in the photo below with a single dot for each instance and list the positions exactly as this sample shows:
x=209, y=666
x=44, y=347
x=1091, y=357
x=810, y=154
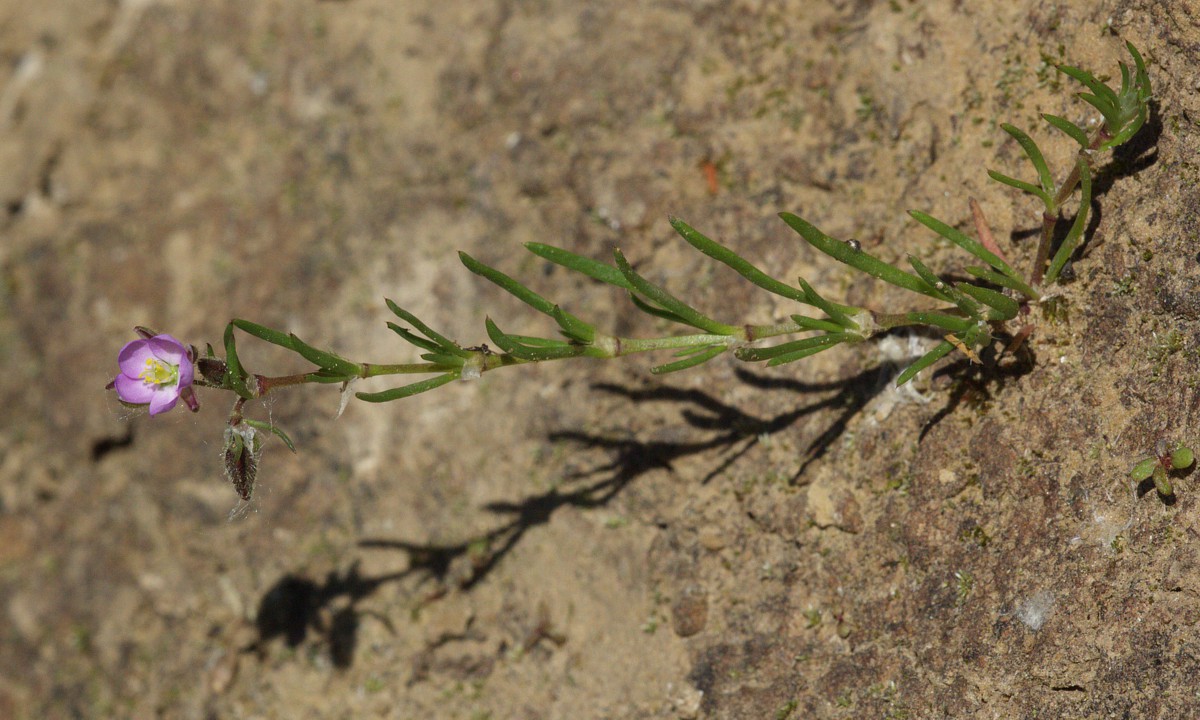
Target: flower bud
x=242, y=450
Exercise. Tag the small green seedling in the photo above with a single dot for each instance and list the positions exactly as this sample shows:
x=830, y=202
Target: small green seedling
x=1165, y=460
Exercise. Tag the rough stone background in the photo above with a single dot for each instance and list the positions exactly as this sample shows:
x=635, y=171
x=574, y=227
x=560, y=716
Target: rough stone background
x=584, y=540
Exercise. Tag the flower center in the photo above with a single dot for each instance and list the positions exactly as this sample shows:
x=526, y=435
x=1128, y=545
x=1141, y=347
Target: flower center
x=159, y=373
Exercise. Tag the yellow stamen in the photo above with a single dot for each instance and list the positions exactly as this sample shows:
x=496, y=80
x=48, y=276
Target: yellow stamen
x=159, y=373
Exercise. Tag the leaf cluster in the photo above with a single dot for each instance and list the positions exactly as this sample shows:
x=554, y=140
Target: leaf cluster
x=965, y=313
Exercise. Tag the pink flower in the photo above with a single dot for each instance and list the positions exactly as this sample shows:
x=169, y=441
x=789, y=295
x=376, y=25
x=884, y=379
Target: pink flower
x=155, y=371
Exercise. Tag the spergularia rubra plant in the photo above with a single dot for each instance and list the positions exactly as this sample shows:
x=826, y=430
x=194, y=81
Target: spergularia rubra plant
x=969, y=315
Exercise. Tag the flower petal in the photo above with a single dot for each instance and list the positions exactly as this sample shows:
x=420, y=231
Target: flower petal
x=170, y=350
x=132, y=358
x=167, y=349
x=133, y=390
x=164, y=399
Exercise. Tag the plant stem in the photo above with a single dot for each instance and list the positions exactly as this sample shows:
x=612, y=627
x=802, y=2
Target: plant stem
x=1065, y=190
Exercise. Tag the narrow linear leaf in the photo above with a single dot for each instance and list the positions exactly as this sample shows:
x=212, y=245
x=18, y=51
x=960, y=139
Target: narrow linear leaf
x=658, y=312
x=807, y=323
x=965, y=242
x=1126, y=80
x=1003, y=281
x=942, y=350
x=578, y=263
x=514, y=288
x=1112, y=115
x=506, y=283
x=1005, y=308
x=448, y=361
x=798, y=355
x=445, y=343
x=268, y=427
x=837, y=313
x=517, y=349
x=669, y=302
x=262, y=332
x=1071, y=241
x=967, y=305
x=1102, y=91
x=857, y=258
x=325, y=360
x=692, y=361
x=1035, y=156
x=572, y=326
x=540, y=342
x=1076, y=133
x=1129, y=130
x=744, y=268
x=414, y=339
x=407, y=390
x=688, y=351
x=233, y=366
x=754, y=354
x=1024, y=187
x=1143, y=78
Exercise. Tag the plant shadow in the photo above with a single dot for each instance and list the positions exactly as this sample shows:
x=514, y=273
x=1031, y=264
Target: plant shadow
x=297, y=608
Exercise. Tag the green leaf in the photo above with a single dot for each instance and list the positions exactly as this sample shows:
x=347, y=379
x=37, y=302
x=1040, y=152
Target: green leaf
x=587, y=266
x=517, y=349
x=964, y=303
x=447, y=361
x=837, y=313
x=797, y=355
x=233, y=366
x=658, y=312
x=260, y=425
x=1161, y=482
x=1071, y=241
x=1140, y=75
x=965, y=242
x=572, y=326
x=1003, y=281
x=669, y=302
x=744, y=268
x=325, y=360
x=414, y=339
x=514, y=288
x=1103, y=92
x=692, y=360
x=1128, y=131
x=1143, y=469
x=444, y=343
x=754, y=354
x=1024, y=187
x=1035, y=157
x=942, y=350
x=859, y=259
x=1182, y=457
x=807, y=323
x=1005, y=307
x=407, y=390
x=1112, y=115
x=262, y=332
x=1076, y=133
